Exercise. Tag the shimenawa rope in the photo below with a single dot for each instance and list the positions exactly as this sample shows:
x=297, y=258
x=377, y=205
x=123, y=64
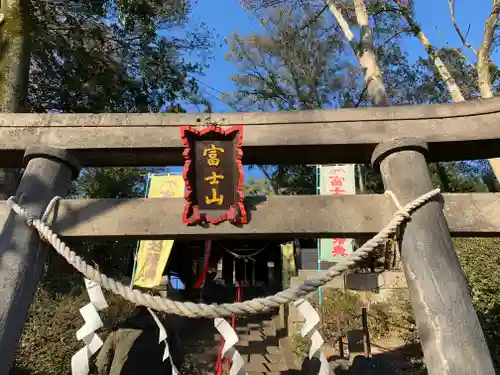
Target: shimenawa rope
x=199, y=310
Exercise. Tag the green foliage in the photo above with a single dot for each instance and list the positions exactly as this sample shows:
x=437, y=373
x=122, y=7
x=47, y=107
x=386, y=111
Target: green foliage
x=480, y=261
x=300, y=345
x=112, y=56
x=295, y=179
x=286, y=68
x=260, y=186
x=111, y=183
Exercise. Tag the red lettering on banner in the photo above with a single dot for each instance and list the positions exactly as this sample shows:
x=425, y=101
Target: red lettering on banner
x=337, y=191
x=337, y=170
x=336, y=180
x=338, y=247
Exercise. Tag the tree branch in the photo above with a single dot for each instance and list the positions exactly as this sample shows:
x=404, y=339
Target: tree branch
x=265, y=172
x=449, y=81
x=360, y=99
x=451, y=5
x=483, y=56
x=343, y=24
x=313, y=20
x=483, y=67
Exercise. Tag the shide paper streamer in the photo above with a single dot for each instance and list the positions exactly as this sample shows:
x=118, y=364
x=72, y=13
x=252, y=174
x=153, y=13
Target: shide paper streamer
x=309, y=330
x=163, y=337
x=90, y=314
x=230, y=339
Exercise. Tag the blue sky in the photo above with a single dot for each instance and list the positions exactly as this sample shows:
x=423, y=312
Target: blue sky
x=228, y=16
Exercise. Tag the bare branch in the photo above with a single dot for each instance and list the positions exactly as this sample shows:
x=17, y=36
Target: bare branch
x=396, y=35
x=361, y=96
x=451, y=5
x=267, y=175
x=313, y=20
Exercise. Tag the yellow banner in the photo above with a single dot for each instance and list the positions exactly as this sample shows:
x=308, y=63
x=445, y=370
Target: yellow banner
x=288, y=259
x=153, y=255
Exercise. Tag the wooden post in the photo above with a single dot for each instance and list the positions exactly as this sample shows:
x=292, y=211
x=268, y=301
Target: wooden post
x=452, y=339
x=48, y=173
x=366, y=332
x=340, y=339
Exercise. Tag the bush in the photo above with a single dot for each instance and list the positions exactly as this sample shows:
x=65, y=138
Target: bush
x=480, y=259
x=49, y=338
x=300, y=345
x=340, y=312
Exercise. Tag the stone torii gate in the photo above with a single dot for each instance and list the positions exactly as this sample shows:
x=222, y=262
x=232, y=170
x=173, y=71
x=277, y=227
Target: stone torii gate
x=398, y=140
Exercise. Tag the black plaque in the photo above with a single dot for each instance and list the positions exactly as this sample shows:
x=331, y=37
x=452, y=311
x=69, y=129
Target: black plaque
x=213, y=173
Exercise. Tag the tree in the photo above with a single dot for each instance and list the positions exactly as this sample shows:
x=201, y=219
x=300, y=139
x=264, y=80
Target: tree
x=355, y=15
x=112, y=56
x=14, y=70
x=257, y=187
x=278, y=71
x=282, y=70
x=98, y=56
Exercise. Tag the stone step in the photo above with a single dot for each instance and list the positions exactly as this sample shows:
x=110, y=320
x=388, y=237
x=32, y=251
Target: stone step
x=266, y=341
x=265, y=358
x=252, y=334
x=265, y=367
x=260, y=325
x=248, y=338
x=268, y=349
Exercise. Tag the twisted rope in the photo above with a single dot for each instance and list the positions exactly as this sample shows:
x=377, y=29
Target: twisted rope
x=199, y=310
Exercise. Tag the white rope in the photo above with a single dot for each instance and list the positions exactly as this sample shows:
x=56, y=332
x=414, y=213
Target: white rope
x=50, y=207
x=228, y=309
x=397, y=204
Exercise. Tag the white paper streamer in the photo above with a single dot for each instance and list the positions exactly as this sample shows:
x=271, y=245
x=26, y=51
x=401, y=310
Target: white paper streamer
x=230, y=339
x=80, y=360
x=163, y=337
x=309, y=330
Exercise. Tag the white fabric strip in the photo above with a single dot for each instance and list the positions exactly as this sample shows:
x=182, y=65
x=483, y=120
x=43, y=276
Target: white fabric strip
x=163, y=337
x=90, y=314
x=309, y=330
x=230, y=339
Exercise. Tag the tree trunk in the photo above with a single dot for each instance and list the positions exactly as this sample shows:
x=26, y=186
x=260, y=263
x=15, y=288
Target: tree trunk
x=364, y=51
x=374, y=81
x=483, y=68
x=483, y=54
x=14, y=73
x=449, y=81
